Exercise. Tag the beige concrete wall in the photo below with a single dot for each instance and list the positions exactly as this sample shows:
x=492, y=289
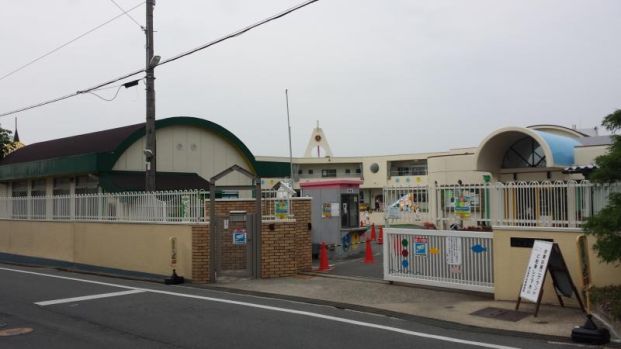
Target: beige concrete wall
x=188, y=149
x=587, y=155
x=134, y=247
x=510, y=263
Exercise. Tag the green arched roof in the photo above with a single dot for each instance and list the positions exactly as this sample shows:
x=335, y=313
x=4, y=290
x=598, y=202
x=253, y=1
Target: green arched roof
x=98, y=151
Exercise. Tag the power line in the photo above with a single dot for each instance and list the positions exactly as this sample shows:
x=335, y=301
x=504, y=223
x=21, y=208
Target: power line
x=128, y=15
x=172, y=59
x=68, y=42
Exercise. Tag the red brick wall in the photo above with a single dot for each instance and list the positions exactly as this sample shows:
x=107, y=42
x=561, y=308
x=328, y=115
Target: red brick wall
x=285, y=250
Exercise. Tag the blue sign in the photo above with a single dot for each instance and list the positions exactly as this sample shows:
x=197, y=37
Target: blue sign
x=420, y=249
x=239, y=237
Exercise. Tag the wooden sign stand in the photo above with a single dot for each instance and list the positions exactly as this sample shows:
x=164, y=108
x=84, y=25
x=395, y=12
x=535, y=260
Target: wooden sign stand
x=561, y=279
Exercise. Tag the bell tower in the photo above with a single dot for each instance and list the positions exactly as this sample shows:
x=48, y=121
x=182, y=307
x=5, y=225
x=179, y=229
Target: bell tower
x=317, y=142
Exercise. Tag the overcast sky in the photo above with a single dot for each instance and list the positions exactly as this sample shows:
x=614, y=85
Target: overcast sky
x=382, y=77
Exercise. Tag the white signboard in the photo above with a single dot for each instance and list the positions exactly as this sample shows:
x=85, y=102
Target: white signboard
x=536, y=270
x=453, y=250
x=334, y=209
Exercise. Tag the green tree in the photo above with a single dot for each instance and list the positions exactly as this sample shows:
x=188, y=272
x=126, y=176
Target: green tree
x=606, y=225
x=6, y=143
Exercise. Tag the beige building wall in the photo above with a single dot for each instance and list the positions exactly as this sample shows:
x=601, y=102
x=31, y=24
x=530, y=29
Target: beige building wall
x=188, y=149
x=133, y=247
x=587, y=155
x=451, y=168
x=510, y=263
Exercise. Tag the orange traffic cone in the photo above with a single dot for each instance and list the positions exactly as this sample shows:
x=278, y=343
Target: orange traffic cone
x=368, y=255
x=373, y=232
x=324, y=265
x=380, y=238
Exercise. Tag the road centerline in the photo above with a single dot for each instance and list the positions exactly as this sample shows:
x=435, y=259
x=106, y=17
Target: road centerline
x=85, y=298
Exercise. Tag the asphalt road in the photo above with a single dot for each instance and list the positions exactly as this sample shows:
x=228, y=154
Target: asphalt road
x=117, y=313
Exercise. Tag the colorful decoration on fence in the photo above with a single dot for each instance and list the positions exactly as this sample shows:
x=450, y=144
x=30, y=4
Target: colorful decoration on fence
x=434, y=250
x=404, y=252
x=478, y=248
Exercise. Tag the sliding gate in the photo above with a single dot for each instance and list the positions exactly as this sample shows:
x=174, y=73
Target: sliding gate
x=442, y=258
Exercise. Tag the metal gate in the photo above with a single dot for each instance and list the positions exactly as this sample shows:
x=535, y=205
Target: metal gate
x=443, y=258
x=236, y=245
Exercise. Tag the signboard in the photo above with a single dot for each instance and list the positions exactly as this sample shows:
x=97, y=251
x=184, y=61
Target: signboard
x=453, y=251
x=281, y=209
x=334, y=209
x=420, y=245
x=536, y=270
x=240, y=237
x=462, y=206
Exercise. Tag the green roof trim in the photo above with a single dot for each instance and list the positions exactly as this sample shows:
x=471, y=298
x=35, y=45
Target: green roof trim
x=103, y=162
x=266, y=169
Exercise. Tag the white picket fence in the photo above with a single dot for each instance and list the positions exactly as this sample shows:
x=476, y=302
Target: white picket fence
x=441, y=258
x=561, y=204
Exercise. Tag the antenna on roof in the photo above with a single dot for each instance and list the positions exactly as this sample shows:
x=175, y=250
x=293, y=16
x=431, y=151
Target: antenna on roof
x=15, y=135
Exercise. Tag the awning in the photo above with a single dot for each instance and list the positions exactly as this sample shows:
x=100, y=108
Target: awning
x=120, y=181
x=582, y=169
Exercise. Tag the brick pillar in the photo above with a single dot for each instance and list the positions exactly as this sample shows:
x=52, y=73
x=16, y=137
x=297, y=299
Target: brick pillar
x=200, y=254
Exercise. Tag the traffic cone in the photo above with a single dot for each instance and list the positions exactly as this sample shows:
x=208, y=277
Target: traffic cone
x=324, y=265
x=380, y=238
x=373, y=237
x=368, y=255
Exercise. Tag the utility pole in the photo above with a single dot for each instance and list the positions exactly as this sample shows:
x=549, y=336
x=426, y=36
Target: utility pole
x=150, y=150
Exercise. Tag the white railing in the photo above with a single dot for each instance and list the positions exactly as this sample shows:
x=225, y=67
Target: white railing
x=165, y=207
x=406, y=205
x=441, y=258
x=275, y=205
x=559, y=204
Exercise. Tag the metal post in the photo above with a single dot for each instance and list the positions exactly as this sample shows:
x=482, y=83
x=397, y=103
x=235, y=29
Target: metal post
x=257, y=232
x=290, y=149
x=212, y=232
x=150, y=152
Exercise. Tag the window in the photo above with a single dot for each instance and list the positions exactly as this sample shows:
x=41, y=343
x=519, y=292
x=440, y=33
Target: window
x=299, y=172
x=358, y=171
x=20, y=207
x=525, y=153
x=330, y=173
x=37, y=200
x=86, y=185
x=62, y=186
x=310, y=171
x=347, y=171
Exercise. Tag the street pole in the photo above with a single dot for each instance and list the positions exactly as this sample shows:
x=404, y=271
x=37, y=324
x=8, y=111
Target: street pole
x=290, y=150
x=150, y=151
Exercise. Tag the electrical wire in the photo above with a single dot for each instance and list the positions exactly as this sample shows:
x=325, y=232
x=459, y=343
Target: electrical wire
x=172, y=59
x=105, y=99
x=128, y=15
x=68, y=42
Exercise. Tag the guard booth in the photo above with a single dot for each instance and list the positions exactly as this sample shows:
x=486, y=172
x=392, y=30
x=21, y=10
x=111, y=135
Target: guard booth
x=335, y=216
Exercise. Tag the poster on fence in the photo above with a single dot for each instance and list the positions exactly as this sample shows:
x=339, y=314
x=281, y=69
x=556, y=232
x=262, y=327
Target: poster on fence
x=536, y=270
x=453, y=251
x=420, y=245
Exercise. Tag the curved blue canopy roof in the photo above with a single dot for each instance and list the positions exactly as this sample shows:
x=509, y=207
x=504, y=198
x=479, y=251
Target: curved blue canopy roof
x=562, y=148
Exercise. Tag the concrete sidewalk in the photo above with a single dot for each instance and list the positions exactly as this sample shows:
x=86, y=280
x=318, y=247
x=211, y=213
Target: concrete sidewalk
x=393, y=300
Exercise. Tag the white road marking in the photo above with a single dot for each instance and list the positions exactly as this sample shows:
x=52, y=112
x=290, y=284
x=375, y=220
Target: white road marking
x=279, y=309
x=86, y=298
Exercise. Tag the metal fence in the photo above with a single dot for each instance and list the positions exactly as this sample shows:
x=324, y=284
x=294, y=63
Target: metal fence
x=406, y=205
x=442, y=258
x=169, y=207
x=561, y=204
